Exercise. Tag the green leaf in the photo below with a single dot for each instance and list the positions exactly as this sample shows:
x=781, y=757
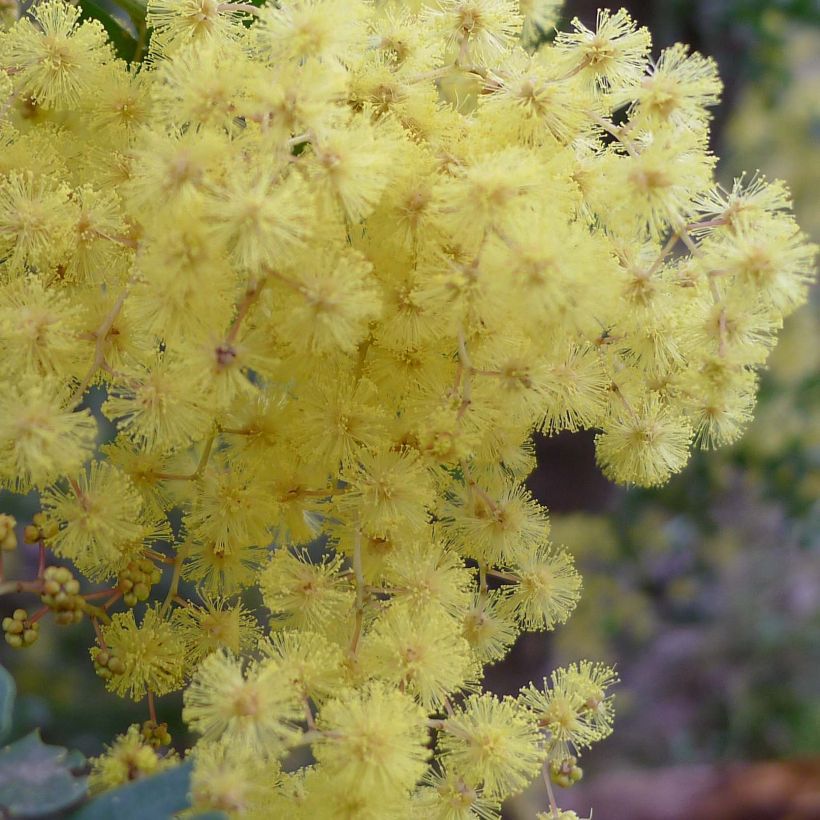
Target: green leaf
x=37, y=780
x=8, y=691
x=151, y=798
x=124, y=42
x=137, y=10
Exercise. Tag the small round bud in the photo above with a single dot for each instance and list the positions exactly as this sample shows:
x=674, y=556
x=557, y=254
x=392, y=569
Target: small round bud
x=116, y=665
x=8, y=537
x=13, y=627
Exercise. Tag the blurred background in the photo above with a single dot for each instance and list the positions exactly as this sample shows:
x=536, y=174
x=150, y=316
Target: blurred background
x=704, y=593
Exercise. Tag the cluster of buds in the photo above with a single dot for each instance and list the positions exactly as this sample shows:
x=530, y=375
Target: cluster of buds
x=61, y=594
x=107, y=663
x=8, y=538
x=19, y=631
x=40, y=529
x=566, y=772
x=156, y=734
x=136, y=580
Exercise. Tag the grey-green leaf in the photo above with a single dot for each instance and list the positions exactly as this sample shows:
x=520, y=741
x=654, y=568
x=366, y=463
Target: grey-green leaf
x=8, y=691
x=152, y=798
x=37, y=780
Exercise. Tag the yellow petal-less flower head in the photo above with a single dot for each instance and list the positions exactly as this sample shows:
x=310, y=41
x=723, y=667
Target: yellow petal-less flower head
x=352, y=167
x=127, y=759
x=770, y=257
x=312, y=29
x=448, y=796
x=54, y=56
x=575, y=393
x=493, y=743
x=594, y=681
x=328, y=305
x=38, y=329
x=41, y=440
x=217, y=624
x=303, y=593
x=478, y=31
x=548, y=588
x=312, y=664
x=98, y=516
x=532, y=106
x=151, y=652
x=421, y=651
x=493, y=526
x=218, y=570
x=160, y=407
x=425, y=574
x=375, y=743
x=677, y=88
x=263, y=216
x=36, y=219
x=340, y=421
x=233, y=507
x=232, y=778
x=247, y=705
x=573, y=706
x=489, y=627
x=613, y=55
x=98, y=253
x=180, y=23
x=643, y=446
x=389, y=487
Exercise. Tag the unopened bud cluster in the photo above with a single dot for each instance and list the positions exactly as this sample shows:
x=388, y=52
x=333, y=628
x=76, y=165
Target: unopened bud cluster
x=136, y=580
x=61, y=594
x=19, y=631
x=107, y=664
x=40, y=529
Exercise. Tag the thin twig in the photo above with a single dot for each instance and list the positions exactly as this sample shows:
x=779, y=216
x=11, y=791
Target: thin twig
x=554, y=810
x=180, y=557
x=99, y=347
x=41, y=560
x=7, y=587
x=38, y=614
x=358, y=571
x=248, y=300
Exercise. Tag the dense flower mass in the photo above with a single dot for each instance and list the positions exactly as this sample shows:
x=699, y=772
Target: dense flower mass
x=324, y=266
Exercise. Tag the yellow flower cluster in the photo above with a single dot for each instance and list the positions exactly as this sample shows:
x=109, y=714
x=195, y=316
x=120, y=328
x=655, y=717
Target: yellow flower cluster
x=329, y=264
